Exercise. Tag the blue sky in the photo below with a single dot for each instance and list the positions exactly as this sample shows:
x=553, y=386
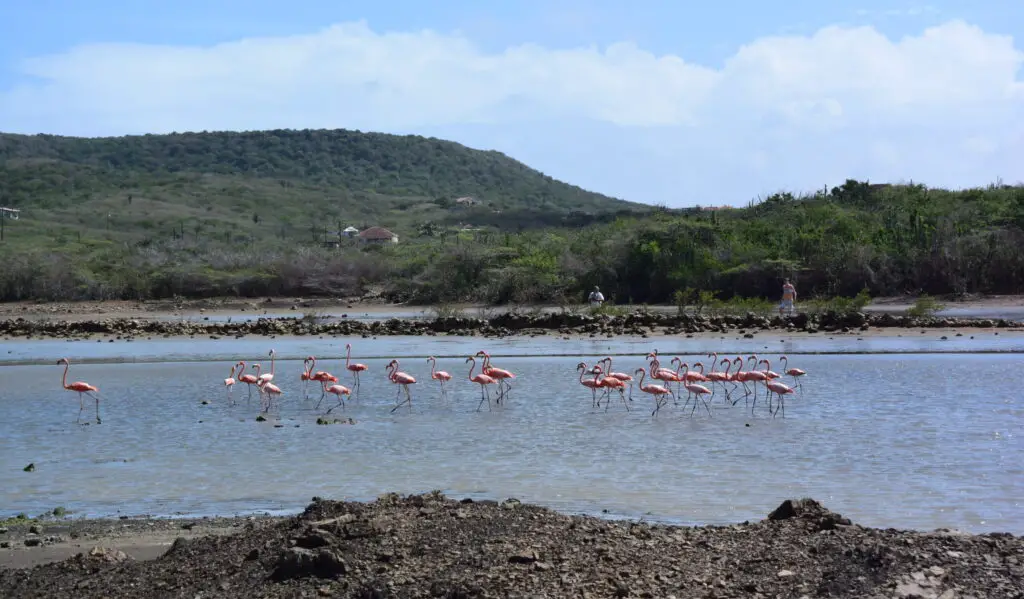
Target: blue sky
x=655, y=101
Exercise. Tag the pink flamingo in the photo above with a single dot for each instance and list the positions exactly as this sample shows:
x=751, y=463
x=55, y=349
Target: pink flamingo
x=662, y=374
x=591, y=384
x=269, y=376
x=265, y=387
x=718, y=376
x=656, y=391
x=483, y=380
x=355, y=369
x=401, y=378
x=321, y=376
x=499, y=374
x=248, y=379
x=307, y=373
x=610, y=382
x=779, y=388
x=340, y=391
x=439, y=375
x=229, y=383
x=271, y=390
x=82, y=389
x=768, y=372
x=696, y=390
x=622, y=376
x=656, y=370
x=793, y=372
x=754, y=376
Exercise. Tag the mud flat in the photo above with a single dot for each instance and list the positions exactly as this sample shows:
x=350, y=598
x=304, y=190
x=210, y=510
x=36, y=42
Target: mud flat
x=430, y=546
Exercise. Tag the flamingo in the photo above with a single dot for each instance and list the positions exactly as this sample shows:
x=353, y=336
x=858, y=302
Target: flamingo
x=229, y=383
x=754, y=376
x=718, y=376
x=793, y=372
x=622, y=376
x=663, y=374
x=321, y=376
x=307, y=372
x=779, y=388
x=355, y=369
x=403, y=379
x=499, y=374
x=591, y=384
x=483, y=380
x=696, y=390
x=270, y=389
x=248, y=379
x=340, y=391
x=656, y=391
x=609, y=382
x=269, y=376
x=439, y=375
x=82, y=389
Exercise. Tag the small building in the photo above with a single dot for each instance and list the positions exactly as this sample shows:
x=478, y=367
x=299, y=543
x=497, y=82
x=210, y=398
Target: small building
x=11, y=213
x=378, y=235
x=350, y=232
x=466, y=201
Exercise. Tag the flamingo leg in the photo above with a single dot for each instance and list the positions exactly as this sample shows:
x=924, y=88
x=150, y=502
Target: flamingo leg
x=97, y=398
x=484, y=396
x=341, y=402
x=622, y=396
x=407, y=400
x=323, y=394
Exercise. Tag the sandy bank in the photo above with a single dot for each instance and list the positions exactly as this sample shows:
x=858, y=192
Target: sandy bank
x=428, y=546
x=89, y=310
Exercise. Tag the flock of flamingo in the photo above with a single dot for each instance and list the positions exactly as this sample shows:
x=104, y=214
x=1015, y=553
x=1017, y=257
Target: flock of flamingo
x=608, y=380
x=604, y=379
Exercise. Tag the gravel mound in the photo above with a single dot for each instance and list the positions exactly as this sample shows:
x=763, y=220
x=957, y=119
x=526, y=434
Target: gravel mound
x=430, y=546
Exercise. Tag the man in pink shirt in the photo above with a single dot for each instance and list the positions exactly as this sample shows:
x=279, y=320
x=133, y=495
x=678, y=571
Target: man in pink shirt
x=788, y=297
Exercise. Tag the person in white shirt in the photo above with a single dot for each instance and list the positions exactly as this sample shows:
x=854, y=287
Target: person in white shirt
x=595, y=298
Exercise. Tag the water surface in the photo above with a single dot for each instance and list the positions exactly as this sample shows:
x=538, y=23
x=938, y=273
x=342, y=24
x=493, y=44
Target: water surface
x=332, y=349
x=911, y=441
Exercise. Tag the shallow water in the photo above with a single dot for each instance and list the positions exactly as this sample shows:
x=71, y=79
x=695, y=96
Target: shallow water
x=330, y=350
x=909, y=441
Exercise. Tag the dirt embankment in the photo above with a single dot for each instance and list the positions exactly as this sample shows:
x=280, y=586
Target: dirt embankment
x=639, y=324
x=428, y=546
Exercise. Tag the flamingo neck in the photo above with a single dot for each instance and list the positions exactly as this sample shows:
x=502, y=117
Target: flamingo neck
x=348, y=354
x=64, y=381
x=472, y=367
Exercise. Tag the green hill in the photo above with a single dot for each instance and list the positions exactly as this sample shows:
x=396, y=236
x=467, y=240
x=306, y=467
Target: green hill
x=283, y=185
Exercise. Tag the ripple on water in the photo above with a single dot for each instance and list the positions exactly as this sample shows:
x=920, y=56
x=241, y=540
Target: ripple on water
x=917, y=441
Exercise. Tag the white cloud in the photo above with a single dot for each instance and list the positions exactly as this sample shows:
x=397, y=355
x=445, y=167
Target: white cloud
x=944, y=106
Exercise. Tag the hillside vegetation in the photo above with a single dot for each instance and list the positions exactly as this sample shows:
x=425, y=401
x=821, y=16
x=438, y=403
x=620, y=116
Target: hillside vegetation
x=289, y=185
x=246, y=214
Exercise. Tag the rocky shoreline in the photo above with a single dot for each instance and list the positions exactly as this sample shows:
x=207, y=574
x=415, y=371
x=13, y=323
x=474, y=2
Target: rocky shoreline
x=431, y=546
x=639, y=324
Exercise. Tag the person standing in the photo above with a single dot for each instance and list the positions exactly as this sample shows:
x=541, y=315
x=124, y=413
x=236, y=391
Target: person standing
x=788, y=297
x=595, y=298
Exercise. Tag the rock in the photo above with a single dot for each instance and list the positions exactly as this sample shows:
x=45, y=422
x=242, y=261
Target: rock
x=912, y=590
x=523, y=557
x=785, y=573
x=108, y=555
x=297, y=562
